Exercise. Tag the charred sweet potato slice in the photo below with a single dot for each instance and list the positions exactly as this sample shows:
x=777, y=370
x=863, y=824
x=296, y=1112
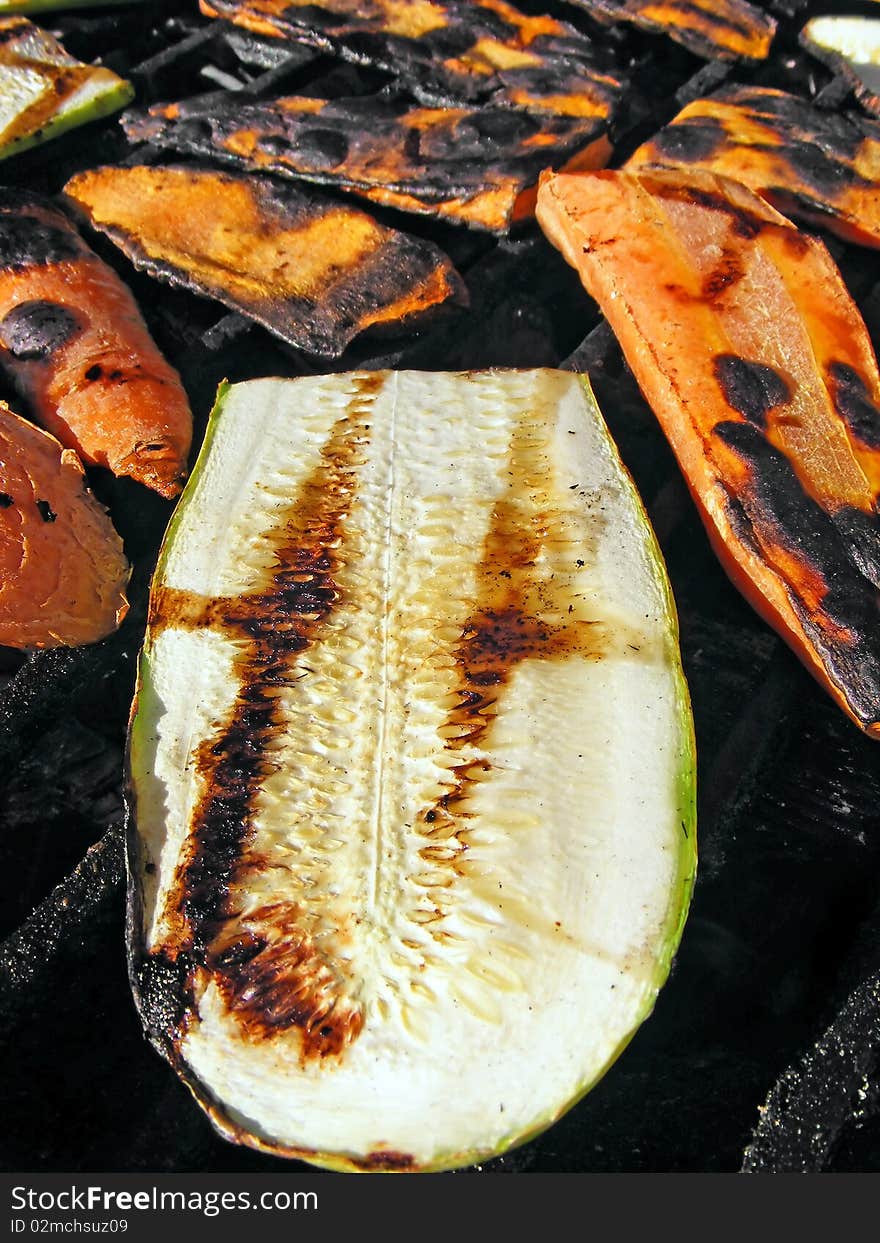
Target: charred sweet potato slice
x=314, y=271
x=479, y=165
x=446, y=50
x=818, y=166
x=62, y=569
x=759, y=368
x=714, y=29
x=75, y=343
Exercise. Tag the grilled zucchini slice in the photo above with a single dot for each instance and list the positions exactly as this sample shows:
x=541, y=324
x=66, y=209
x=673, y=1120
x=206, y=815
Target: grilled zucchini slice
x=412, y=767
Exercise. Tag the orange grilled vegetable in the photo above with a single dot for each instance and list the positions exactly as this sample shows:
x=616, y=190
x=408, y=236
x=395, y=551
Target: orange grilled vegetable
x=747, y=345
x=74, y=341
x=715, y=29
x=62, y=569
x=445, y=50
x=314, y=271
x=478, y=165
x=819, y=166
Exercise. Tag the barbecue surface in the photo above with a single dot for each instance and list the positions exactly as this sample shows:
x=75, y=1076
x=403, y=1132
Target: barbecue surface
x=773, y=997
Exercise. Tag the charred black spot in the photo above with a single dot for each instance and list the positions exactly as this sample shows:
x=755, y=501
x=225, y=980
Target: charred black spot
x=861, y=534
x=5, y=500
x=94, y=372
x=35, y=330
x=26, y=241
x=853, y=403
x=194, y=132
x=311, y=15
x=321, y=148
x=278, y=144
x=752, y=389
x=455, y=39
x=505, y=125
x=46, y=511
x=690, y=141
x=241, y=951
x=162, y=988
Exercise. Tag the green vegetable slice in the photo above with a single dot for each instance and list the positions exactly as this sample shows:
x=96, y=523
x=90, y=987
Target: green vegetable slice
x=45, y=91
x=411, y=767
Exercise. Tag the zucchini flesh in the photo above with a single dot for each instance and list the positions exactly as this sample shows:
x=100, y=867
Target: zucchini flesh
x=411, y=767
x=45, y=91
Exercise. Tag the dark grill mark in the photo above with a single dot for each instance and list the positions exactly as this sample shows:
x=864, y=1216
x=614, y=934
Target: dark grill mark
x=35, y=330
x=744, y=223
x=691, y=141
x=837, y=607
x=322, y=148
x=853, y=403
x=509, y=624
x=823, y=172
x=727, y=272
x=27, y=241
x=272, y=975
x=752, y=389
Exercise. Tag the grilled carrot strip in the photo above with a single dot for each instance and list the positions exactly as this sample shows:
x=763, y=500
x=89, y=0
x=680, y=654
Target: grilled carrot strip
x=80, y=353
x=62, y=569
x=747, y=345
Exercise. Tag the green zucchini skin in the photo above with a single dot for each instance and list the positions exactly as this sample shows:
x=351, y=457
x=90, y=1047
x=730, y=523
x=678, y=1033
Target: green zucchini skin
x=49, y=90
x=229, y=986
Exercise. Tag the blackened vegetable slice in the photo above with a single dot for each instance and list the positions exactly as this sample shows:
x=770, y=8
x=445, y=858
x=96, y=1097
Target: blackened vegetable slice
x=811, y=164
x=444, y=50
x=314, y=271
x=714, y=29
x=479, y=165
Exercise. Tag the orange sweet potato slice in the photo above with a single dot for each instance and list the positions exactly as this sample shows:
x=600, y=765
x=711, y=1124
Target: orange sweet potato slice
x=714, y=29
x=446, y=50
x=63, y=572
x=756, y=362
x=476, y=165
x=314, y=271
x=813, y=165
